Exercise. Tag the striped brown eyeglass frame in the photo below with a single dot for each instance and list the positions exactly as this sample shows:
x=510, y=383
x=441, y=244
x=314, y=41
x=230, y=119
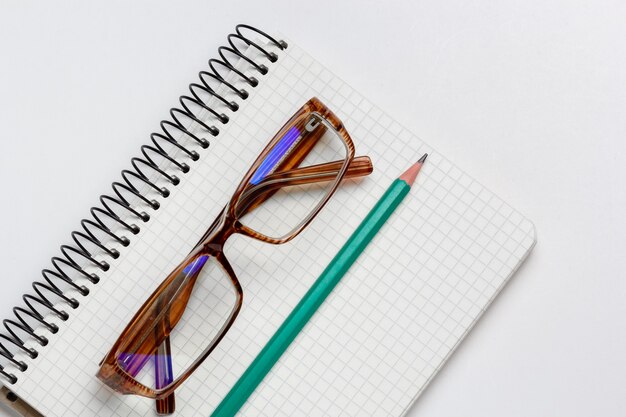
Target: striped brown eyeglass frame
x=276, y=170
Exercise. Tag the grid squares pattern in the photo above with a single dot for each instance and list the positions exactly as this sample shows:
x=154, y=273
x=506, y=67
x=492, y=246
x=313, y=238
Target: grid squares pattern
x=383, y=333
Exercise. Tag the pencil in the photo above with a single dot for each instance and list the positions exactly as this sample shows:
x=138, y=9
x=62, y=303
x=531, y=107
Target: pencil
x=318, y=292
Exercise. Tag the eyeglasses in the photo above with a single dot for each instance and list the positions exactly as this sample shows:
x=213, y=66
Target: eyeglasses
x=192, y=309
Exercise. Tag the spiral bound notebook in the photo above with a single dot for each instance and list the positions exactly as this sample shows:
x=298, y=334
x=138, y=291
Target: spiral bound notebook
x=376, y=342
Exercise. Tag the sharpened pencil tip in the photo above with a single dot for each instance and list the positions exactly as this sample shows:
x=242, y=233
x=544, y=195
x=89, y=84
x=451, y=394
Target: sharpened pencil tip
x=411, y=173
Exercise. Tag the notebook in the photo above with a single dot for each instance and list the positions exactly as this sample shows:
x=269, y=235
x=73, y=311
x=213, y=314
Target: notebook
x=380, y=337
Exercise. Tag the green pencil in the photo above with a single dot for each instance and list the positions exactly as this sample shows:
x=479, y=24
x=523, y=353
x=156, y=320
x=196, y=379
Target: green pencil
x=318, y=292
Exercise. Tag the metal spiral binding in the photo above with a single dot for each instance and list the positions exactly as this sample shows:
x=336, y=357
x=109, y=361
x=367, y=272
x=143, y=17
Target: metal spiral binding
x=117, y=209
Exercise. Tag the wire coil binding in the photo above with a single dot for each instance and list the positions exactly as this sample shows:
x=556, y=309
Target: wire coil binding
x=117, y=211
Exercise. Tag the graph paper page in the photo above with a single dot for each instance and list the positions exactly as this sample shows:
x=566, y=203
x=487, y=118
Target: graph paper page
x=383, y=333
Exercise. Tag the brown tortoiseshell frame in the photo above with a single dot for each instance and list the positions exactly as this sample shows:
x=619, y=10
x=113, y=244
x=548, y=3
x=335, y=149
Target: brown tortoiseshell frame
x=245, y=199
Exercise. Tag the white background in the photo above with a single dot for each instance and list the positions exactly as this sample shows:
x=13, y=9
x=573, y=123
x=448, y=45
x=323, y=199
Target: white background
x=527, y=96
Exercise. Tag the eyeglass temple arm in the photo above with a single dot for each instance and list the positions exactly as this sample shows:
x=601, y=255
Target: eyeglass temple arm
x=358, y=167
x=164, y=376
